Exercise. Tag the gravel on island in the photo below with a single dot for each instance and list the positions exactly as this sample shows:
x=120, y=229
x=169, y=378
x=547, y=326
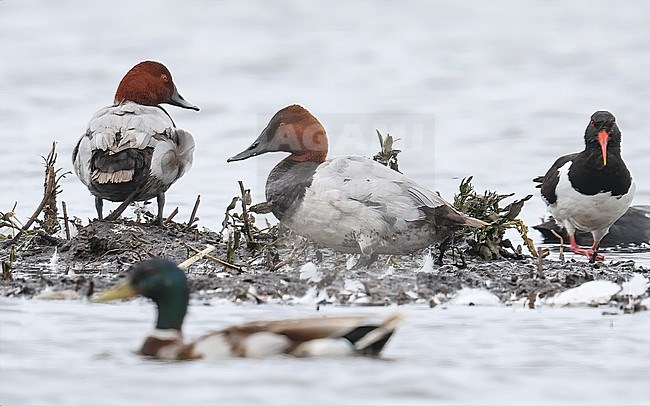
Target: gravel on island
x=295, y=272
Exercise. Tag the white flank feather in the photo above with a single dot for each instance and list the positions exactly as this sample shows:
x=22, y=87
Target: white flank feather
x=325, y=347
x=264, y=344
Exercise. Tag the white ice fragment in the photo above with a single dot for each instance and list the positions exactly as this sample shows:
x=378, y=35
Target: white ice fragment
x=636, y=286
x=411, y=294
x=353, y=286
x=310, y=297
x=474, y=297
x=517, y=302
x=351, y=262
x=49, y=294
x=389, y=271
x=322, y=296
x=646, y=302
x=219, y=301
x=592, y=292
x=54, y=261
x=427, y=266
x=119, y=228
x=361, y=300
x=310, y=272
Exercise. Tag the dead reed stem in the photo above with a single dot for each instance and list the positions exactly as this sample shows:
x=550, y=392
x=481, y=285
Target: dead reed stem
x=65, y=220
x=115, y=214
x=190, y=223
x=214, y=259
x=245, y=194
x=171, y=216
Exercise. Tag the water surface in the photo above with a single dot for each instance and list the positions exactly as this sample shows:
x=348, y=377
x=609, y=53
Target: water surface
x=495, y=89
x=73, y=353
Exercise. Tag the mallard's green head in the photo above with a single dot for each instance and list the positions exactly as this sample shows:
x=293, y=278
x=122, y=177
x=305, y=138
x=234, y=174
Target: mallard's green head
x=161, y=281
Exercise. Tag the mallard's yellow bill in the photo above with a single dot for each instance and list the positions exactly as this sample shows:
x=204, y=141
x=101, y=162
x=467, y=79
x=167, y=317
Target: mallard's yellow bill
x=123, y=290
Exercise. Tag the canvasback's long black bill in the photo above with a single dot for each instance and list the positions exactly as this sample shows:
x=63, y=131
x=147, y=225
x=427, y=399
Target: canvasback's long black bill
x=178, y=100
x=259, y=147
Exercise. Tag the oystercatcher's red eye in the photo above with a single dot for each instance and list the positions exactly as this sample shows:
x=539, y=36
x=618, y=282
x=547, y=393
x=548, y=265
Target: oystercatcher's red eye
x=164, y=78
x=592, y=123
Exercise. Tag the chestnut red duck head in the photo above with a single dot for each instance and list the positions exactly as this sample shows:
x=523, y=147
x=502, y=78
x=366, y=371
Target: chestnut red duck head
x=150, y=83
x=292, y=129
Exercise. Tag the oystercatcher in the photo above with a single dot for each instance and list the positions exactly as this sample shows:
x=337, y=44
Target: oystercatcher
x=590, y=190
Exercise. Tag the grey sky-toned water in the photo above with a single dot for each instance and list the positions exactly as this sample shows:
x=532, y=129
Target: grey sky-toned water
x=497, y=90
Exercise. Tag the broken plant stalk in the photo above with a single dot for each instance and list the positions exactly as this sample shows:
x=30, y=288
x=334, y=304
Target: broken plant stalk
x=115, y=214
x=171, y=216
x=192, y=219
x=191, y=260
x=65, y=220
x=214, y=259
x=51, y=189
x=245, y=200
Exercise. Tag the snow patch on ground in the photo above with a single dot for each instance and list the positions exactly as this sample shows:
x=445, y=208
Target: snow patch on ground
x=67, y=294
x=427, y=266
x=309, y=271
x=589, y=293
x=475, y=297
x=636, y=286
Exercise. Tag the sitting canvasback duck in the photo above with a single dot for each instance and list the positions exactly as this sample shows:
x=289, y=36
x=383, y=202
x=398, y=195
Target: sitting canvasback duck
x=351, y=204
x=591, y=189
x=166, y=284
x=133, y=147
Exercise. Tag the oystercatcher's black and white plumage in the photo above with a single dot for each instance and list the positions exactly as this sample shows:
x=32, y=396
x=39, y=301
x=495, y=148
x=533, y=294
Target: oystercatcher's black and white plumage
x=591, y=189
x=632, y=228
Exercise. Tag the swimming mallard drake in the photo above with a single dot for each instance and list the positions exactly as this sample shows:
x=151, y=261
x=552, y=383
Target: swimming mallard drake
x=166, y=284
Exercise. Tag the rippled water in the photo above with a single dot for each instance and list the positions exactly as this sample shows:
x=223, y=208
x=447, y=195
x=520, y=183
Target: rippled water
x=80, y=354
x=494, y=89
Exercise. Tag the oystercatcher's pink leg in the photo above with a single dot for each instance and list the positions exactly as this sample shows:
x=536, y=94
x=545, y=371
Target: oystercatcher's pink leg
x=591, y=253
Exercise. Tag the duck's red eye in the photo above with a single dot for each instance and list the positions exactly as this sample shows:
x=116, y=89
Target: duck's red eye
x=592, y=123
x=164, y=78
x=281, y=125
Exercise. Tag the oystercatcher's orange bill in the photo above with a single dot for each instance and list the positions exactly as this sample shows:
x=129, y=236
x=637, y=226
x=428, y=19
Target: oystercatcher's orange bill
x=603, y=137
